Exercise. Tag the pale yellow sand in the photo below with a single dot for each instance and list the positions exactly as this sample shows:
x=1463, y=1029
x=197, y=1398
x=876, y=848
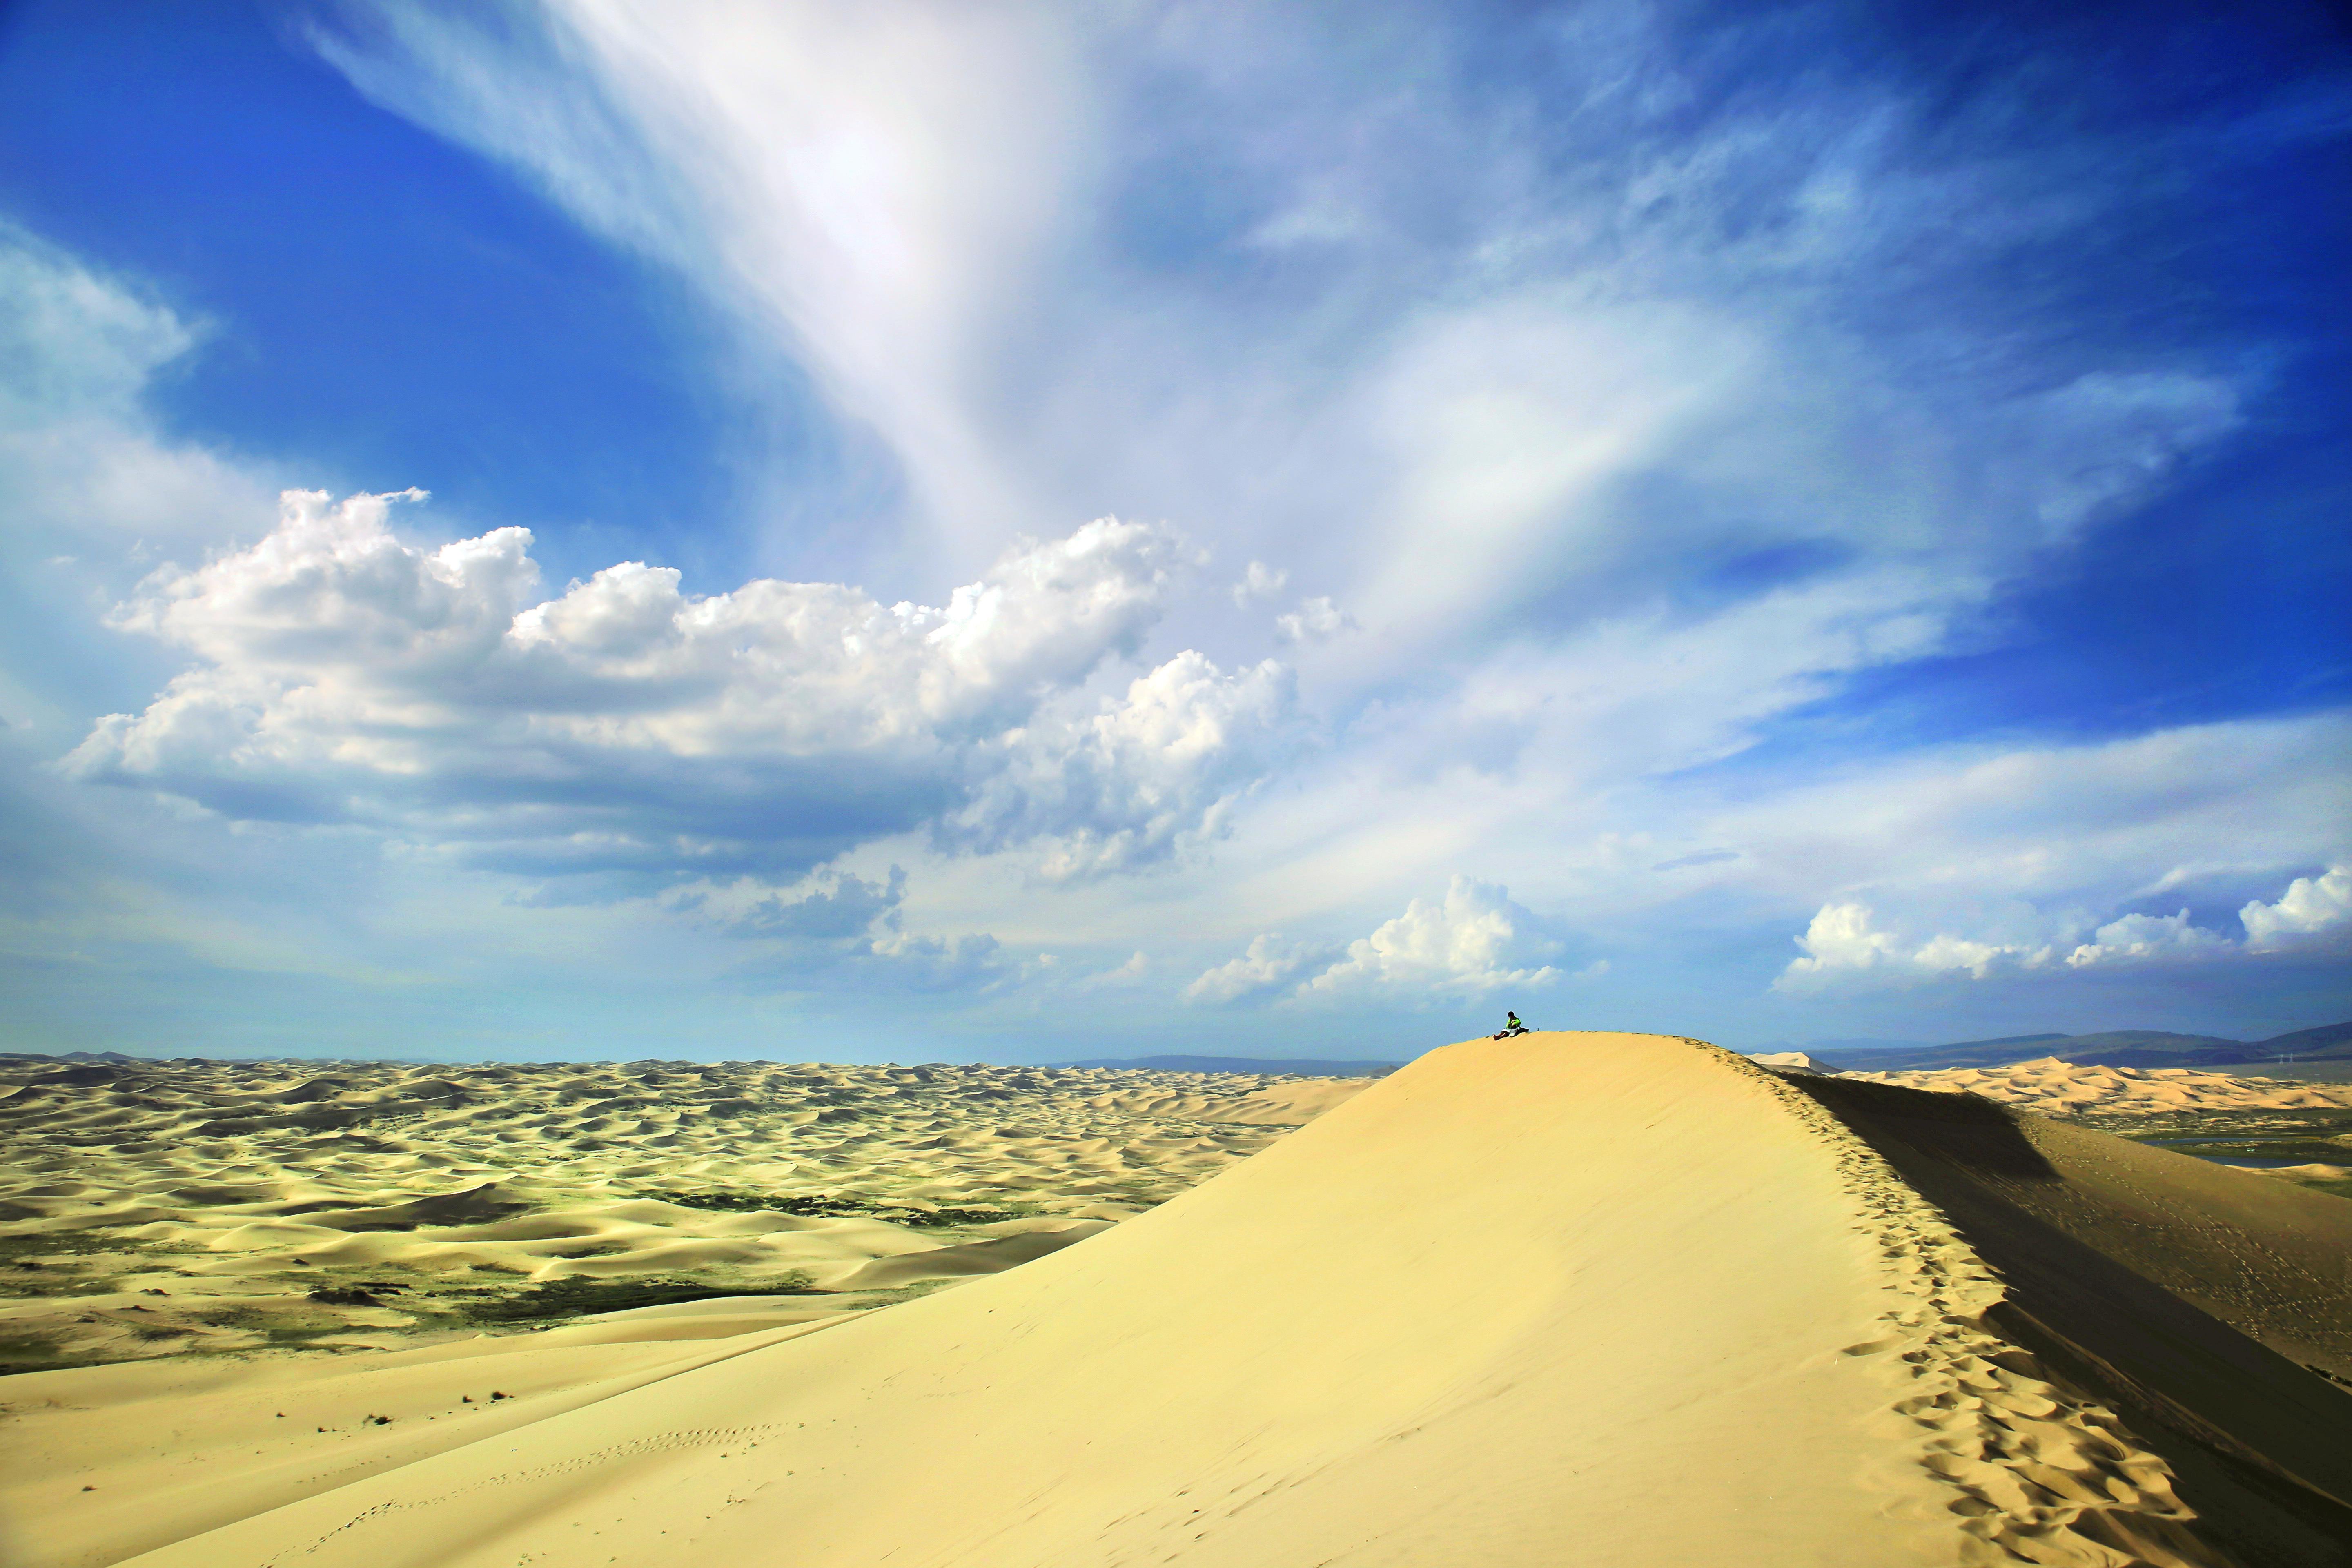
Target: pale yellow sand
x=1787, y=1061
x=1560, y=1299
x=2058, y=1087
x=157, y=1207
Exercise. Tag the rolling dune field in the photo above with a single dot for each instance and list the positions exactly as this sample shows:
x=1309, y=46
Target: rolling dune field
x=1559, y=1299
x=158, y=1207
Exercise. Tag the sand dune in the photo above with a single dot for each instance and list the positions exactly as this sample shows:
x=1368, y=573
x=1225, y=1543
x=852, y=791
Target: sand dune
x=1563, y=1298
x=2207, y=1305
x=155, y=1208
x=2059, y=1088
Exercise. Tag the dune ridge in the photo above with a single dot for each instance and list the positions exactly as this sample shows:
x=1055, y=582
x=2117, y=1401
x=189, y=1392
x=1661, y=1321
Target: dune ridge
x=2205, y=1304
x=1559, y=1299
x=2044, y=1474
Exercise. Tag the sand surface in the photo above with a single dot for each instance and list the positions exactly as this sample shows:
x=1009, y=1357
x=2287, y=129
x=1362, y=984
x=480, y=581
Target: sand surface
x=1558, y=1299
x=2207, y=1305
x=156, y=1209
x=2056, y=1087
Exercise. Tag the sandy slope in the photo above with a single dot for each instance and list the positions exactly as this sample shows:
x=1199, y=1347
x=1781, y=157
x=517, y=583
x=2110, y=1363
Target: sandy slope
x=152, y=1207
x=1620, y=1299
x=2200, y=1299
x=2059, y=1088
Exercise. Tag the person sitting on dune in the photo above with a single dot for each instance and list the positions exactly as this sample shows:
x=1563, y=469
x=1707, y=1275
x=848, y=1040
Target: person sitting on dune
x=1511, y=1025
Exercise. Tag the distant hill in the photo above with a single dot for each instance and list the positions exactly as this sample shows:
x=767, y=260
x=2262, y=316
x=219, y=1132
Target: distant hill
x=2112, y=1047
x=1280, y=1066
x=69, y=1056
x=2328, y=1042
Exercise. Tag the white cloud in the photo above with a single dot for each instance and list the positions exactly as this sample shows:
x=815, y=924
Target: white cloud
x=1625, y=432
x=1124, y=784
x=1842, y=936
x=1266, y=966
x=1258, y=580
x=348, y=675
x=83, y=460
x=1473, y=940
x=2149, y=939
x=1314, y=620
x=841, y=932
x=876, y=187
x=95, y=492
x=1134, y=973
x=1846, y=941
x=1488, y=369
x=73, y=343
x=2311, y=907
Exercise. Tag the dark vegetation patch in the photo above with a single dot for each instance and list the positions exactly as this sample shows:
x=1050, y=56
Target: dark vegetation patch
x=273, y=1329
x=160, y=1331
x=40, y=1243
x=2311, y=1125
x=576, y=1296
x=2299, y=1137
x=821, y=1205
x=31, y=1353
x=28, y=1278
x=320, y=1121
x=298, y=1336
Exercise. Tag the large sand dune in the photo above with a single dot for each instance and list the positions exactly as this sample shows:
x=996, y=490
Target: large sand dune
x=1562, y=1300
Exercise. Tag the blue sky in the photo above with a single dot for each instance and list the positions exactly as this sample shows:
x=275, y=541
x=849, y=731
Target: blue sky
x=932, y=531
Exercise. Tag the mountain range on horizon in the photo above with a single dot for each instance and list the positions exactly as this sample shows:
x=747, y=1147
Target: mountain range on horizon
x=2111, y=1047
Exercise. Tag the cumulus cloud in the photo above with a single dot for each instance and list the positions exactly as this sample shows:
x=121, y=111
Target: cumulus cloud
x=837, y=907
x=838, y=931
x=1134, y=972
x=1473, y=940
x=348, y=675
x=2149, y=939
x=1258, y=580
x=1266, y=966
x=1314, y=620
x=2310, y=908
x=1846, y=940
x=1133, y=781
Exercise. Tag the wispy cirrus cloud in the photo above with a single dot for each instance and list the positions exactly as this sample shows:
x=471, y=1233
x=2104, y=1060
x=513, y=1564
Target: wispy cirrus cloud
x=1601, y=364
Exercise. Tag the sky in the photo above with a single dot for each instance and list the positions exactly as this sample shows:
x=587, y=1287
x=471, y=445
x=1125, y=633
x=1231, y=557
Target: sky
x=599, y=529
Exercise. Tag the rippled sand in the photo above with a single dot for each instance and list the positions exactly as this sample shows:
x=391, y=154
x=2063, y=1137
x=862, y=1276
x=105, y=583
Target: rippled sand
x=155, y=1208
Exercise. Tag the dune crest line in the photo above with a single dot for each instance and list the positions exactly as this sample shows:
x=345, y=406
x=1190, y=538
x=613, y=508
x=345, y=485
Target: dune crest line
x=2043, y=1475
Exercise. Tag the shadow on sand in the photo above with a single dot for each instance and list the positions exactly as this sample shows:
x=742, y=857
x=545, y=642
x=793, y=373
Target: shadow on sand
x=2261, y=1446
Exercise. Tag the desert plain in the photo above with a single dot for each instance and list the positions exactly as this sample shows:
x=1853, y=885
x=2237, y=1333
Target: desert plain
x=1562, y=1298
